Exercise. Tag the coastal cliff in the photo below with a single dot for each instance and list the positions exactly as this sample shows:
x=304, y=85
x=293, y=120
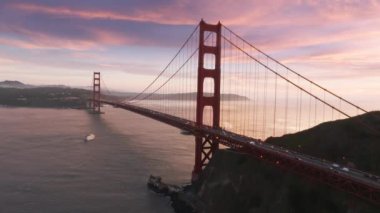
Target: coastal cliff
x=236, y=182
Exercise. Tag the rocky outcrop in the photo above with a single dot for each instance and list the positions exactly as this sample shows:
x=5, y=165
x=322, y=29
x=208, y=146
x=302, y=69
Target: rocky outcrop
x=235, y=182
x=180, y=197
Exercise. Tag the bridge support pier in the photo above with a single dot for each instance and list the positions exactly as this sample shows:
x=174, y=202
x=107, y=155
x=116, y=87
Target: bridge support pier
x=205, y=146
x=95, y=102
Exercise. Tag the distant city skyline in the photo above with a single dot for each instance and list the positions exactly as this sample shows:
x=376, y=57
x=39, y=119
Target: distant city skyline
x=335, y=43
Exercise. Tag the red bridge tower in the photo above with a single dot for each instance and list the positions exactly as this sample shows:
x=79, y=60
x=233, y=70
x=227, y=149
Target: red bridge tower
x=95, y=103
x=206, y=145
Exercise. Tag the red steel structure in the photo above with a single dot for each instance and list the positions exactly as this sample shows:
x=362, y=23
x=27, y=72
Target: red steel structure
x=96, y=93
x=206, y=145
x=208, y=137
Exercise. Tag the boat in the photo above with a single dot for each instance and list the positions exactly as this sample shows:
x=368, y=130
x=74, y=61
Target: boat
x=89, y=137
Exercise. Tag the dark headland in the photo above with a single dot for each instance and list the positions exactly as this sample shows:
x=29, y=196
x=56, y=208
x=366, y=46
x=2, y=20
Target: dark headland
x=235, y=182
x=18, y=94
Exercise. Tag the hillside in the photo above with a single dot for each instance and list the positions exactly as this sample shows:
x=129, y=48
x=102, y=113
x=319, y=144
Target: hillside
x=55, y=97
x=354, y=142
x=236, y=182
x=13, y=84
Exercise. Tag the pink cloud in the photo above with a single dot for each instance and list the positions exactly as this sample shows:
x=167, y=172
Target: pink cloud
x=278, y=26
x=41, y=41
x=158, y=16
x=99, y=40
x=246, y=13
x=298, y=13
x=6, y=61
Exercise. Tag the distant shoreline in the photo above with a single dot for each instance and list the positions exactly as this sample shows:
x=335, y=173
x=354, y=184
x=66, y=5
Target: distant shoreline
x=17, y=94
x=38, y=107
x=44, y=97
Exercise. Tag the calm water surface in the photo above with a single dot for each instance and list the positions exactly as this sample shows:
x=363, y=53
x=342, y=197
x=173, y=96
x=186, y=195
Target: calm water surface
x=45, y=166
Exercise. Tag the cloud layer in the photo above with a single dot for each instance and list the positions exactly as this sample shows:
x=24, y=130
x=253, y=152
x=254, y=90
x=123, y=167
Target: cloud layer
x=334, y=38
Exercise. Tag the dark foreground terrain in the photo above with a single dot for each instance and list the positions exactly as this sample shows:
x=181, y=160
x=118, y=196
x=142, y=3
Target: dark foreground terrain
x=235, y=182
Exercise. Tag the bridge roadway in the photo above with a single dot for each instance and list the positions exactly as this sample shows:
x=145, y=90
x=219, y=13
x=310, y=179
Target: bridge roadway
x=361, y=184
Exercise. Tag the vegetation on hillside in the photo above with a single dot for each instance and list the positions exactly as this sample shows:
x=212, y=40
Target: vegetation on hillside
x=354, y=142
x=236, y=182
x=55, y=97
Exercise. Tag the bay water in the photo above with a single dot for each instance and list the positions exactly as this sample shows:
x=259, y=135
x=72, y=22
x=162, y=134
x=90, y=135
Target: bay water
x=46, y=166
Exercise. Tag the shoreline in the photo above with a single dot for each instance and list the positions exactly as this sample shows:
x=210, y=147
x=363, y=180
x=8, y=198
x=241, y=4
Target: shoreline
x=41, y=107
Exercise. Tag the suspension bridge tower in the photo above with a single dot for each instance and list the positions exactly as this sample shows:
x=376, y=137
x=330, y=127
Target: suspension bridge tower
x=95, y=102
x=205, y=146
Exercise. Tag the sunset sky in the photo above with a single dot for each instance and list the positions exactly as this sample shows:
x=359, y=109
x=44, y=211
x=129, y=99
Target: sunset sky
x=334, y=42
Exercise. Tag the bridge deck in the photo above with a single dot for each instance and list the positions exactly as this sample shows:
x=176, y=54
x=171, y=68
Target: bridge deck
x=361, y=184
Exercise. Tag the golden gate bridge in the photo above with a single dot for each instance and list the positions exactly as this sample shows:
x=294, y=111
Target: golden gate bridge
x=225, y=91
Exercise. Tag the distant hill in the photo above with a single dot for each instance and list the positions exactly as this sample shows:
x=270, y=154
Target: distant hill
x=14, y=84
x=125, y=95
x=179, y=96
x=51, y=97
x=20, y=85
x=16, y=93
